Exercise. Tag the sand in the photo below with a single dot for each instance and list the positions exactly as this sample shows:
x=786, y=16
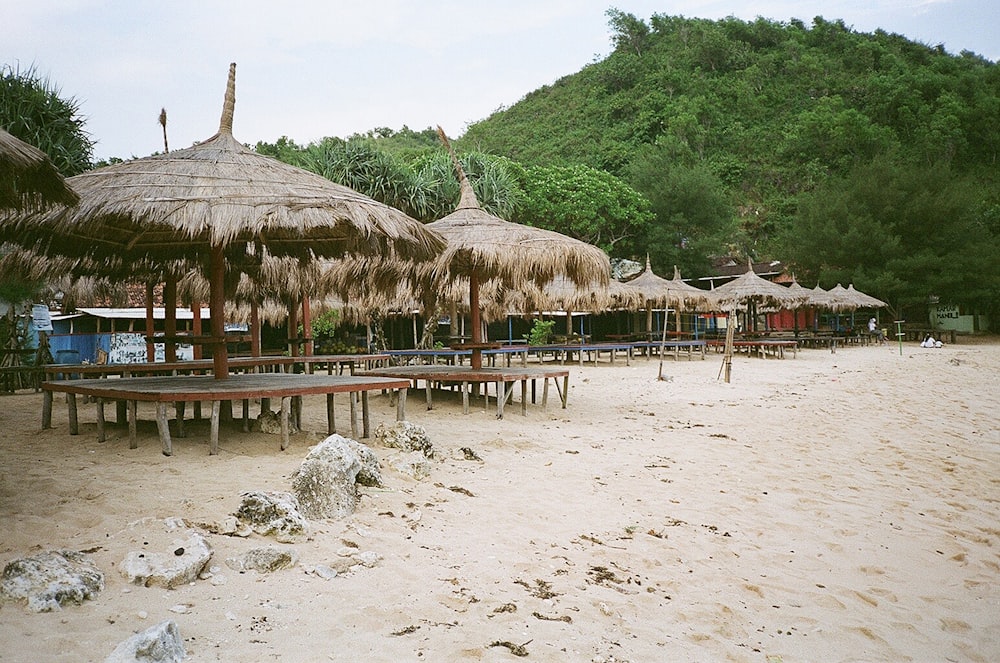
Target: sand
x=835, y=507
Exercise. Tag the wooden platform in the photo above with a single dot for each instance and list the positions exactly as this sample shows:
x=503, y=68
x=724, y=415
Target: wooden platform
x=467, y=377
x=650, y=347
x=563, y=352
x=761, y=347
x=182, y=389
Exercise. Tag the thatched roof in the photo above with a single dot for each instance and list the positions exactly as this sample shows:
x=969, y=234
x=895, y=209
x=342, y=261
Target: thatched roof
x=659, y=291
x=480, y=243
x=750, y=288
x=655, y=289
x=864, y=300
x=691, y=297
x=28, y=178
x=219, y=193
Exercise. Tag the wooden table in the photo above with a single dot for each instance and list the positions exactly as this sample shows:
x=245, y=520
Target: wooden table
x=466, y=377
x=181, y=389
x=647, y=347
x=761, y=347
x=562, y=352
x=431, y=355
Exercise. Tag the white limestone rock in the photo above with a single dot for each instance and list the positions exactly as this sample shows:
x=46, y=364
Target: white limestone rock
x=51, y=580
x=273, y=513
x=161, y=643
x=167, y=561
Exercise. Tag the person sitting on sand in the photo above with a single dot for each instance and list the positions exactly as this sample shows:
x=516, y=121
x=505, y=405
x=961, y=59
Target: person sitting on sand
x=930, y=342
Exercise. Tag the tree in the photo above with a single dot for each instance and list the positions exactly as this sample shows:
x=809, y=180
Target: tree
x=32, y=109
x=585, y=203
x=901, y=233
x=693, y=217
x=628, y=32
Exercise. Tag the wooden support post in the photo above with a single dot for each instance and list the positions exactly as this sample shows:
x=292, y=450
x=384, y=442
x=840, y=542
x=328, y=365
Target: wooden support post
x=401, y=404
x=100, y=420
x=46, y=410
x=354, y=414
x=331, y=416
x=286, y=407
x=179, y=408
x=133, y=443
x=164, y=429
x=366, y=423
x=213, y=439
x=170, y=318
x=150, y=327
x=74, y=424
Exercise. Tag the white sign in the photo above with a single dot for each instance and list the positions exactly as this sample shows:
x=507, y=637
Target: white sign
x=40, y=317
x=130, y=348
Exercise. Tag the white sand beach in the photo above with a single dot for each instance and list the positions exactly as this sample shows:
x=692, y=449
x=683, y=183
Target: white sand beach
x=831, y=507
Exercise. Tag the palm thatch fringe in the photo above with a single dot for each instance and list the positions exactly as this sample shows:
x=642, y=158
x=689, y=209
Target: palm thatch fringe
x=28, y=178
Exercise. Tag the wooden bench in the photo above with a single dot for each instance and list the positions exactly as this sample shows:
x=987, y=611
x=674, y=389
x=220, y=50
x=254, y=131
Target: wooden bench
x=196, y=388
x=470, y=378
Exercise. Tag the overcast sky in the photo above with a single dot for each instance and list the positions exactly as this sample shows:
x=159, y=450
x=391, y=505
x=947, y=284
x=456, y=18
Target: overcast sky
x=314, y=68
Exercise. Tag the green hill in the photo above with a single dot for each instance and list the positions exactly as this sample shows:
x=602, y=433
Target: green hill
x=787, y=120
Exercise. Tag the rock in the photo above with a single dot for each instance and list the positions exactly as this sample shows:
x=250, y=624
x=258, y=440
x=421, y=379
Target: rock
x=51, y=580
x=413, y=464
x=326, y=482
x=624, y=269
x=270, y=423
x=273, y=513
x=369, y=474
x=263, y=560
x=406, y=436
x=158, y=644
x=325, y=572
x=167, y=562
x=368, y=558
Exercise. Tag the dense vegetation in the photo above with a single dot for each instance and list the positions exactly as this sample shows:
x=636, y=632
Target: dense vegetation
x=855, y=157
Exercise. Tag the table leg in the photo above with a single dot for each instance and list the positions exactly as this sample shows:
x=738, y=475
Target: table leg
x=164, y=429
x=246, y=415
x=213, y=434
x=297, y=411
x=179, y=408
x=100, y=420
x=131, y=406
x=524, y=398
x=121, y=412
x=74, y=423
x=286, y=408
x=501, y=397
x=46, y=410
x=265, y=405
x=565, y=394
x=465, y=398
x=366, y=423
x=401, y=404
x=430, y=401
x=353, y=398
x=545, y=391
x=331, y=417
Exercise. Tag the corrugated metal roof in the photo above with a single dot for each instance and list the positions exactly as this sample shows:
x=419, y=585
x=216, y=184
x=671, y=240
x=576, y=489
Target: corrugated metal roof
x=138, y=313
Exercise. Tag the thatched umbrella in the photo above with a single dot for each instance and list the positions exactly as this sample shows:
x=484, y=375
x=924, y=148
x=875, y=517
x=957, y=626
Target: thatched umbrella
x=482, y=247
x=748, y=291
x=222, y=205
x=656, y=290
x=864, y=300
x=28, y=178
